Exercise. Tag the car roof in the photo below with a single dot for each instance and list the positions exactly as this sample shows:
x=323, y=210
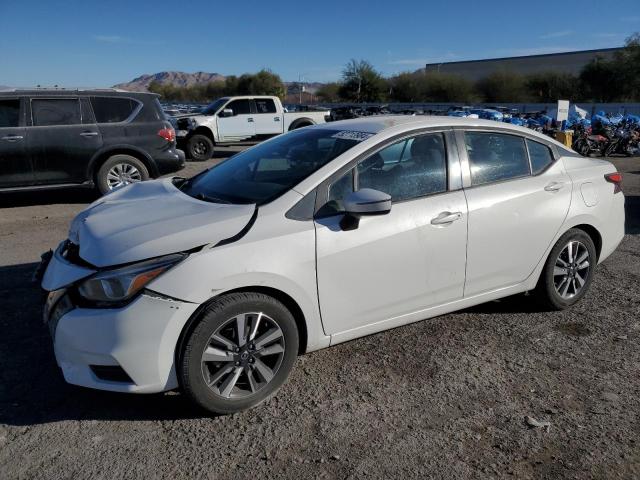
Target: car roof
x=17, y=92
x=378, y=124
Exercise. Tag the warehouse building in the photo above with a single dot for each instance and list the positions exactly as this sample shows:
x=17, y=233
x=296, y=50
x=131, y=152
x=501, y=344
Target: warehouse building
x=566, y=62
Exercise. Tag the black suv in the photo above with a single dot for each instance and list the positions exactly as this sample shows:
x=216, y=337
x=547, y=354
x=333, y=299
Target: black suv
x=103, y=138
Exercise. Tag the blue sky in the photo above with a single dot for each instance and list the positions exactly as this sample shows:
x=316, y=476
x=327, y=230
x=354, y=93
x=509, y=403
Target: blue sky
x=98, y=43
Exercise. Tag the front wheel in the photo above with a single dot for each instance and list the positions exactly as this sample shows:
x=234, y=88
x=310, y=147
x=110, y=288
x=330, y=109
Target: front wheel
x=568, y=272
x=200, y=147
x=239, y=354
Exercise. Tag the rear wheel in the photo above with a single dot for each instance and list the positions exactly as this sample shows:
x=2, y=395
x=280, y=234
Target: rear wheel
x=568, y=272
x=240, y=353
x=200, y=147
x=118, y=171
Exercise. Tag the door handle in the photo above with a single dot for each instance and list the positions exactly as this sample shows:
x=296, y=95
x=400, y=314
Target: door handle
x=554, y=186
x=276, y=119
x=250, y=120
x=12, y=138
x=89, y=134
x=446, y=218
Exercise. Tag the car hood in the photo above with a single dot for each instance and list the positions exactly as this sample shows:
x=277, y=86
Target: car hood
x=150, y=219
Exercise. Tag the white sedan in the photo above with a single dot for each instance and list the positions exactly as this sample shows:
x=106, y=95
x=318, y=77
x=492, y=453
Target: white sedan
x=216, y=283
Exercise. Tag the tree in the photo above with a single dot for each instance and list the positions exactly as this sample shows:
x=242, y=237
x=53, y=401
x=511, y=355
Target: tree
x=600, y=80
x=362, y=83
x=329, y=92
x=550, y=86
x=265, y=82
x=626, y=65
x=406, y=87
x=503, y=86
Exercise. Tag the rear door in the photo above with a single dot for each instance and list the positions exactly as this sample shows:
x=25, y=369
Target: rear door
x=267, y=120
x=518, y=198
x=62, y=139
x=15, y=166
x=240, y=126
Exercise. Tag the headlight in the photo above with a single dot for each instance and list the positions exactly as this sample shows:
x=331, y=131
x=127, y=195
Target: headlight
x=118, y=285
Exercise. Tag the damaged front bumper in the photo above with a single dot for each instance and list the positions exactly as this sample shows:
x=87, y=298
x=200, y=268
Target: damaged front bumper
x=126, y=349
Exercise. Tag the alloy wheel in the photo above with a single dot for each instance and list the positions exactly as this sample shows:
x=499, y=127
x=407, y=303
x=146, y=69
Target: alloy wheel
x=571, y=269
x=122, y=174
x=243, y=355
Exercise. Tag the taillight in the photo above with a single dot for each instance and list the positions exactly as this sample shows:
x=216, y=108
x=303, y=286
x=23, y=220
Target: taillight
x=616, y=179
x=168, y=133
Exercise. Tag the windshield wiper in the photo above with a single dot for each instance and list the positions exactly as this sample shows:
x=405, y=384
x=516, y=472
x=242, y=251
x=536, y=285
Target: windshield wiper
x=208, y=198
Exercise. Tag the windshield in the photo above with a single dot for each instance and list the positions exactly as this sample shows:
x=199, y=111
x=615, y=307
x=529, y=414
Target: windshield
x=213, y=107
x=268, y=170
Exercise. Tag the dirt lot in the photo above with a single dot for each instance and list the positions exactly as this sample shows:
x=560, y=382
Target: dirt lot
x=444, y=398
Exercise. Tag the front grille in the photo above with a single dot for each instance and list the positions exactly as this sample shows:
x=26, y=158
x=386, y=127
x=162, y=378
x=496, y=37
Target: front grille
x=111, y=373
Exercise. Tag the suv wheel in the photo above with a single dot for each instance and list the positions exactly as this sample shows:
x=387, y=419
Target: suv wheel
x=239, y=354
x=200, y=147
x=568, y=272
x=120, y=170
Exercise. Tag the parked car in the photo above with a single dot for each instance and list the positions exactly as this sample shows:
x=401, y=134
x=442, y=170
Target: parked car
x=239, y=121
x=316, y=237
x=102, y=138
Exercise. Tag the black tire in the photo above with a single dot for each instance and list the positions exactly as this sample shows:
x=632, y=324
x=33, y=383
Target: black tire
x=223, y=311
x=295, y=126
x=200, y=147
x=547, y=290
x=132, y=163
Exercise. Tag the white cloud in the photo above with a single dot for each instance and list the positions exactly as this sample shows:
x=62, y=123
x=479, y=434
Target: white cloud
x=110, y=39
x=564, y=33
x=447, y=57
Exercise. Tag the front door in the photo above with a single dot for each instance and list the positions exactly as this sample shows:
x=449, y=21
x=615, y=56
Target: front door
x=60, y=141
x=518, y=200
x=238, y=127
x=400, y=263
x=15, y=165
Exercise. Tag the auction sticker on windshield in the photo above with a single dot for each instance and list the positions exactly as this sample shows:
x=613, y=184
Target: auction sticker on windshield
x=352, y=135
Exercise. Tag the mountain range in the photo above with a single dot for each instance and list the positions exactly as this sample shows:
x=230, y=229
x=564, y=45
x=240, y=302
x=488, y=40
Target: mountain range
x=183, y=79
x=179, y=79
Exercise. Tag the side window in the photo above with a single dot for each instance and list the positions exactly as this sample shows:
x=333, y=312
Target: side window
x=9, y=113
x=494, y=157
x=239, y=107
x=540, y=156
x=408, y=169
x=341, y=187
x=265, y=105
x=112, y=109
x=59, y=111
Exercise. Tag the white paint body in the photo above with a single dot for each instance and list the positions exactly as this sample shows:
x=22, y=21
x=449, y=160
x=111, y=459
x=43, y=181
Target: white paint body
x=392, y=270
x=247, y=126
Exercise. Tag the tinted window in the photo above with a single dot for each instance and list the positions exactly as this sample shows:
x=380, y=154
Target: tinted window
x=268, y=170
x=112, y=110
x=540, y=156
x=239, y=107
x=341, y=188
x=63, y=111
x=494, y=157
x=407, y=169
x=9, y=113
x=265, y=105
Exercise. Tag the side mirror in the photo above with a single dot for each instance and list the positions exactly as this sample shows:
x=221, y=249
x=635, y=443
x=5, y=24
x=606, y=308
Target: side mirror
x=227, y=112
x=364, y=202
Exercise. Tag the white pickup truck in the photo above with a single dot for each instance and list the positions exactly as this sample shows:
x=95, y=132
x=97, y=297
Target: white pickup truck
x=238, y=121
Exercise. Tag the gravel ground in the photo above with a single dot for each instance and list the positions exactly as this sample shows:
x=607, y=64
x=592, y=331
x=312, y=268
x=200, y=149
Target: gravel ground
x=444, y=398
